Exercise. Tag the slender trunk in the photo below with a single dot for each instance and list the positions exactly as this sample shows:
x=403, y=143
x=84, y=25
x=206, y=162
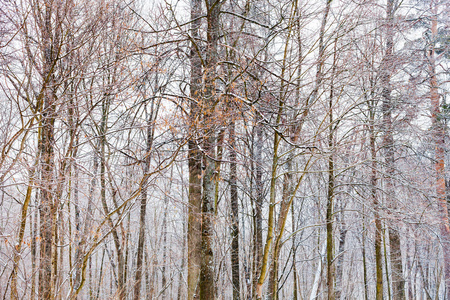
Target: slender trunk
x=259, y=199
x=116, y=238
x=234, y=216
x=378, y=225
x=194, y=158
x=398, y=283
x=329, y=222
x=294, y=256
x=388, y=284
x=284, y=209
x=126, y=235
x=47, y=213
x=18, y=247
x=80, y=252
x=331, y=184
x=271, y=221
x=297, y=95
x=33, y=250
x=288, y=193
x=366, y=285
x=317, y=276
x=143, y=208
x=100, y=277
x=218, y=163
x=439, y=144
x=183, y=251
x=340, y=258
x=164, y=249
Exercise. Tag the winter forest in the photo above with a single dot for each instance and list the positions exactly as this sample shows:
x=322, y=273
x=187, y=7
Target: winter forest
x=224, y=149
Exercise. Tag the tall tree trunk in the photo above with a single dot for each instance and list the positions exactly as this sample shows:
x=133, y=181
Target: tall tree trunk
x=259, y=199
x=117, y=243
x=34, y=263
x=81, y=245
x=194, y=158
x=207, y=283
x=439, y=144
x=376, y=207
x=164, y=247
x=284, y=209
x=366, y=284
x=271, y=219
x=143, y=206
x=340, y=258
x=331, y=184
x=23, y=222
x=288, y=189
x=294, y=257
x=234, y=203
x=398, y=282
x=47, y=212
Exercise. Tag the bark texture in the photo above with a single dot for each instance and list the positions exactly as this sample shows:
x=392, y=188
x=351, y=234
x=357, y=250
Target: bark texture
x=194, y=158
x=234, y=216
x=439, y=143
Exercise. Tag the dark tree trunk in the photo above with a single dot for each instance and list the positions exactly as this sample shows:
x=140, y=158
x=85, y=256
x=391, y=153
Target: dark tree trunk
x=234, y=216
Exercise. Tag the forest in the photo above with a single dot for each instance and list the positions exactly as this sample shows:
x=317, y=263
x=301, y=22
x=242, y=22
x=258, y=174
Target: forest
x=224, y=149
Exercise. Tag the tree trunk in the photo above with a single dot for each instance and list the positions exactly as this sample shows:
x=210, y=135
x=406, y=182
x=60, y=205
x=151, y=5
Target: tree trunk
x=117, y=243
x=340, y=258
x=288, y=196
x=398, y=282
x=439, y=144
x=143, y=206
x=331, y=184
x=259, y=199
x=47, y=212
x=18, y=246
x=234, y=202
x=366, y=284
x=194, y=158
x=207, y=282
x=376, y=207
x=271, y=221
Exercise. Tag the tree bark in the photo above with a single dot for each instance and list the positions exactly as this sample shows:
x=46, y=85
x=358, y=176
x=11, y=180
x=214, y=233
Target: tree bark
x=398, y=283
x=376, y=207
x=259, y=199
x=194, y=158
x=207, y=282
x=47, y=212
x=340, y=258
x=234, y=203
x=143, y=207
x=439, y=144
